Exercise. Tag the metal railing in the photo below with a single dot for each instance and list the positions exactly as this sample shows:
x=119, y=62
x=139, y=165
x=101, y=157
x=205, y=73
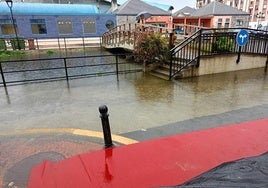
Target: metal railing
x=60, y=43
x=184, y=54
x=126, y=35
x=37, y=70
x=208, y=42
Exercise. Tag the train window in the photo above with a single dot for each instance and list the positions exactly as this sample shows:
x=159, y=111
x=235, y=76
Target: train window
x=65, y=26
x=38, y=26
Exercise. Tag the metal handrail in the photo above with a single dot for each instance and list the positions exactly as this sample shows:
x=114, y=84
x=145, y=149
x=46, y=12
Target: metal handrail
x=204, y=43
x=66, y=68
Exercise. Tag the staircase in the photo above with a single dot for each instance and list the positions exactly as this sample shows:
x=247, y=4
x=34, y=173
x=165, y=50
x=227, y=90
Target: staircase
x=184, y=60
x=163, y=71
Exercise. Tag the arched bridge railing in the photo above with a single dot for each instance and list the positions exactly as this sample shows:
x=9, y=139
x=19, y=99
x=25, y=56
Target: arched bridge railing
x=125, y=35
x=208, y=42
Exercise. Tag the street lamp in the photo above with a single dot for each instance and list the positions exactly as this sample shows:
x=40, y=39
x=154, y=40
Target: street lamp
x=10, y=5
x=259, y=16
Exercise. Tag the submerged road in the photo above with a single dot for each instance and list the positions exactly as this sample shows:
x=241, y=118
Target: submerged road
x=136, y=102
x=56, y=120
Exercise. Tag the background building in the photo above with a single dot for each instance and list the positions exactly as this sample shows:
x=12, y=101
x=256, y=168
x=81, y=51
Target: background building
x=213, y=15
x=127, y=13
x=40, y=20
x=258, y=10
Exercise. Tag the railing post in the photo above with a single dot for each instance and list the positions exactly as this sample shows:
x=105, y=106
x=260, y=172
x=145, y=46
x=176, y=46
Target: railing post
x=2, y=74
x=66, y=69
x=37, y=44
x=171, y=45
x=116, y=62
x=170, y=64
x=266, y=65
x=65, y=46
x=106, y=126
x=59, y=43
x=84, y=47
x=199, y=48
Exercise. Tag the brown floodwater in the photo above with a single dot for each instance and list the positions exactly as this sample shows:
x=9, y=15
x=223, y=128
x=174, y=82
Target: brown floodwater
x=135, y=101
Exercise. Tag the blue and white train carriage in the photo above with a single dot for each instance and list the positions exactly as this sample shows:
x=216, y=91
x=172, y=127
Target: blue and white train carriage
x=36, y=20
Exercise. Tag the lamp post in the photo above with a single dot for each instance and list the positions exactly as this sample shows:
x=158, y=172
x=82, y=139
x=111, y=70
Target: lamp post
x=10, y=5
x=259, y=16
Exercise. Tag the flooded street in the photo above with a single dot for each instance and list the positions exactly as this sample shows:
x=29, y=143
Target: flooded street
x=136, y=101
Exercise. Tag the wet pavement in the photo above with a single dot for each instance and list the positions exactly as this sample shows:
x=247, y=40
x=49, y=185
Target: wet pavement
x=140, y=106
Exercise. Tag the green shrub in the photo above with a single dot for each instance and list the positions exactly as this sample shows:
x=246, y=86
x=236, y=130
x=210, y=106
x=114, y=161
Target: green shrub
x=7, y=54
x=223, y=44
x=151, y=47
x=50, y=52
x=2, y=44
x=14, y=43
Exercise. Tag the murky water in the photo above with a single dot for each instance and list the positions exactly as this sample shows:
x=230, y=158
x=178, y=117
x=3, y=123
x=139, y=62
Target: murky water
x=135, y=101
x=43, y=67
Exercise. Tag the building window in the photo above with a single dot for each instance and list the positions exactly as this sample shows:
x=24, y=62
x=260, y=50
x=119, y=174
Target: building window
x=219, y=22
x=89, y=26
x=38, y=26
x=109, y=24
x=239, y=22
x=227, y=23
x=65, y=26
x=7, y=26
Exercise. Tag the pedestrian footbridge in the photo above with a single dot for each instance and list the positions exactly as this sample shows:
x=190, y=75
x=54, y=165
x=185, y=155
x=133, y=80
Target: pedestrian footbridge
x=125, y=36
x=207, y=51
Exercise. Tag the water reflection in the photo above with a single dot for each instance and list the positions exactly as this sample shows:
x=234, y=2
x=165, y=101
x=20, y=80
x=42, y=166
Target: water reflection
x=108, y=176
x=148, y=88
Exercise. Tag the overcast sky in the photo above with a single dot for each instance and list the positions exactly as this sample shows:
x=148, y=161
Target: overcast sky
x=177, y=4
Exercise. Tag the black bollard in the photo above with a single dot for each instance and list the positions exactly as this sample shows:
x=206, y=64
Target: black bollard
x=106, y=126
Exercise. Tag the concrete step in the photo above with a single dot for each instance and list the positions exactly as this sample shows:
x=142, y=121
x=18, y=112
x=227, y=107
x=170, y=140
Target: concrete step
x=159, y=75
x=163, y=72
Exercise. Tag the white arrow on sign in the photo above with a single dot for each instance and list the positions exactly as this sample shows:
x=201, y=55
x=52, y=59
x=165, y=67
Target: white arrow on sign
x=243, y=37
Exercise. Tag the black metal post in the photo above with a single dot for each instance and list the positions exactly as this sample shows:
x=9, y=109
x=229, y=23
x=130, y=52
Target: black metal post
x=116, y=61
x=10, y=5
x=37, y=44
x=199, y=48
x=170, y=63
x=66, y=70
x=171, y=45
x=266, y=65
x=65, y=46
x=84, y=47
x=2, y=74
x=239, y=54
x=106, y=126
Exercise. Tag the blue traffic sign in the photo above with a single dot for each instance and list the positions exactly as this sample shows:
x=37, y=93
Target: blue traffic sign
x=242, y=37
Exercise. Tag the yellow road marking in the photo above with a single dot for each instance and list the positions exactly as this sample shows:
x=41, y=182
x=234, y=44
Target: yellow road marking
x=80, y=132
